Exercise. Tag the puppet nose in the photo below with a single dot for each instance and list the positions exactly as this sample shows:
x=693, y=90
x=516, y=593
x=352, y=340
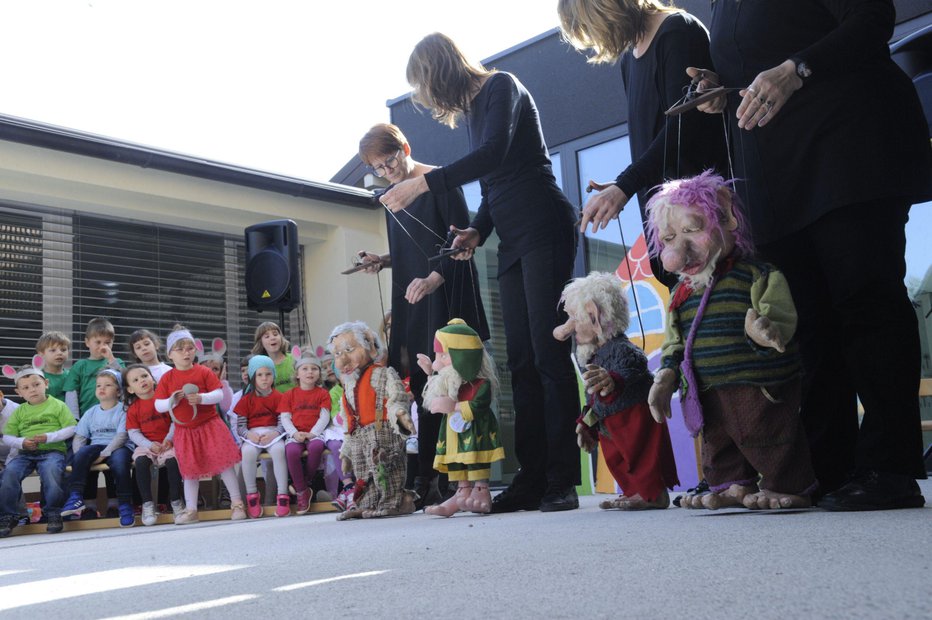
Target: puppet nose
x=562, y=332
x=674, y=257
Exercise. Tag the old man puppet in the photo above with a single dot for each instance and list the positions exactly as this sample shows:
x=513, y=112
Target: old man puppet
x=729, y=348
x=376, y=408
x=637, y=451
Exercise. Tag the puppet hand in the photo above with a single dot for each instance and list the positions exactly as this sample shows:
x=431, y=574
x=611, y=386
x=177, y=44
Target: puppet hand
x=767, y=94
x=707, y=79
x=586, y=437
x=465, y=238
x=419, y=288
x=598, y=380
x=424, y=364
x=603, y=207
x=661, y=393
x=762, y=331
x=401, y=195
x=443, y=404
x=404, y=418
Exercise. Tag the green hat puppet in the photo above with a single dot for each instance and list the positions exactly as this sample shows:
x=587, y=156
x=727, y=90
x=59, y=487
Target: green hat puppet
x=464, y=346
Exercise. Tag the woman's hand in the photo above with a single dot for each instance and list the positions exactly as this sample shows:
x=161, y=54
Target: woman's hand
x=465, y=238
x=403, y=194
x=767, y=95
x=603, y=207
x=419, y=288
x=707, y=79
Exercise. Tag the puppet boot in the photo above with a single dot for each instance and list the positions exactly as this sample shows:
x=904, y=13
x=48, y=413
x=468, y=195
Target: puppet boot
x=480, y=500
x=454, y=504
x=771, y=500
x=636, y=502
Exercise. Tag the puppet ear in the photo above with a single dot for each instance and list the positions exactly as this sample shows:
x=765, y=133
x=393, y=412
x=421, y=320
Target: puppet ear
x=219, y=346
x=727, y=206
x=38, y=361
x=595, y=316
x=296, y=352
x=8, y=371
x=199, y=346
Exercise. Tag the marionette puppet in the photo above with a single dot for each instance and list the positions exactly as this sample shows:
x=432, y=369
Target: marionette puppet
x=638, y=452
x=728, y=347
x=376, y=411
x=461, y=385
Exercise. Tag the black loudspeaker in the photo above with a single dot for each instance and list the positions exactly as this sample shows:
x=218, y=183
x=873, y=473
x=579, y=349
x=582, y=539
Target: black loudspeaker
x=272, y=273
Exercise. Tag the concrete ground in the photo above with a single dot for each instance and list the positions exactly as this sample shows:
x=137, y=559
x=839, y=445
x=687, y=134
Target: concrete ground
x=583, y=563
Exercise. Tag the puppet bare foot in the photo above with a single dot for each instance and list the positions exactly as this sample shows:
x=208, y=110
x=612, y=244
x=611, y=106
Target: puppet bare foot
x=636, y=502
x=480, y=500
x=353, y=513
x=453, y=505
x=732, y=496
x=771, y=500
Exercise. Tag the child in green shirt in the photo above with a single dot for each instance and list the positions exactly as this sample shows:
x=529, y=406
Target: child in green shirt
x=54, y=348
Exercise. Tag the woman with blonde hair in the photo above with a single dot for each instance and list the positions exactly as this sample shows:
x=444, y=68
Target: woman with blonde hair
x=654, y=43
x=536, y=225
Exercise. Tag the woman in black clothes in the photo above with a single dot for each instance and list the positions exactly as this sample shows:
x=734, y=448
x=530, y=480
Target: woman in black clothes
x=425, y=294
x=833, y=149
x=536, y=224
x=655, y=44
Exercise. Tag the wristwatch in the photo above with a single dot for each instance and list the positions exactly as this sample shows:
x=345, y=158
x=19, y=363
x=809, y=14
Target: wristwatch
x=802, y=69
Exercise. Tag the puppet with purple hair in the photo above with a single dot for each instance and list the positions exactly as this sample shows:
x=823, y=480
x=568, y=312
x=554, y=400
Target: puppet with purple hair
x=729, y=348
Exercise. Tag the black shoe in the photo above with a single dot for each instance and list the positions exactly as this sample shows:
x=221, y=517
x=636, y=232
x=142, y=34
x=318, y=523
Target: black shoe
x=559, y=498
x=875, y=491
x=54, y=524
x=7, y=523
x=427, y=492
x=513, y=499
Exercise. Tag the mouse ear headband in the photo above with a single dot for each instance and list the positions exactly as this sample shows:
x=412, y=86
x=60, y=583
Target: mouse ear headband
x=218, y=348
x=36, y=369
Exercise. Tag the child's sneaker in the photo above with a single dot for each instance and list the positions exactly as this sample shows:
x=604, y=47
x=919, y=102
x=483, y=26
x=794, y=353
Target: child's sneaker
x=7, y=523
x=238, y=511
x=177, y=509
x=148, y=514
x=74, y=505
x=339, y=502
x=350, y=502
x=54, y=524
x=282, y=505
x=411, y=446
x=253, y=505
x=224, y=500
x=127, y=517
x=304, y=502
x=186, y=517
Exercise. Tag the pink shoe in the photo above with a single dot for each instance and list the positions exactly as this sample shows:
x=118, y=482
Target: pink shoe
x=304, y=502
x=253, y=505
x=282, y=505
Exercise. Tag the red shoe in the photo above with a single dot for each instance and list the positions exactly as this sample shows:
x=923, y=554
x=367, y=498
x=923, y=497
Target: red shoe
x=253, y=505
x=282, y=505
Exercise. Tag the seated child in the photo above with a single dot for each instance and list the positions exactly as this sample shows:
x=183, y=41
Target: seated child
x=104, y=426
x=340, y=486
x=38, y=429
x=54, y=348
x=214, y=362
x=151, y=431
x=258, y=426
x=305, y=413
x=145, y=346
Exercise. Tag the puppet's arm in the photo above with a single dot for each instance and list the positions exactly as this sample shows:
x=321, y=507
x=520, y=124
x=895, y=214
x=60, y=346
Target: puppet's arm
x=771, y=320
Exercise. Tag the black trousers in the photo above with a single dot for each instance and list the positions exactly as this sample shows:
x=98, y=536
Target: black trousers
x=543, y=381
x=859, y=337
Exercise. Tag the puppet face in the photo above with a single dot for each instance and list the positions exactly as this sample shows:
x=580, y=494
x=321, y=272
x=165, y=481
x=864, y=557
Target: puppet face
x=348, y=354
x=441, y=361
x=31, y=388
x=690, y=249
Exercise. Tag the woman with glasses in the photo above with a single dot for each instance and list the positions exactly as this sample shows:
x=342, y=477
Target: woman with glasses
x=426, y=293
x=536, y=225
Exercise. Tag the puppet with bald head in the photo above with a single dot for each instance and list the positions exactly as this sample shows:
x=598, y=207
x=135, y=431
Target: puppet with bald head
x=729, y=347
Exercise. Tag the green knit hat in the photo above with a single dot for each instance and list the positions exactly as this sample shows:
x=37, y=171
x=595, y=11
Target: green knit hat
x=464, y=346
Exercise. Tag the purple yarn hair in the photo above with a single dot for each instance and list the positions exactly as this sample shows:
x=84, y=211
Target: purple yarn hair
x=699, y=192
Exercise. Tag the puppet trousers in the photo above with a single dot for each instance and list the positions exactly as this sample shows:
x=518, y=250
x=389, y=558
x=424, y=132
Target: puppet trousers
x=638, y=452
x=380, y=460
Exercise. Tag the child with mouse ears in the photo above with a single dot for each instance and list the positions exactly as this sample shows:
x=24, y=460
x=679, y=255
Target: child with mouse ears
x=204, y=446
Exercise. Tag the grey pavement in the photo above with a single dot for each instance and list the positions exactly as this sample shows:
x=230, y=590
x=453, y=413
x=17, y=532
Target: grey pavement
x=583, y=563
